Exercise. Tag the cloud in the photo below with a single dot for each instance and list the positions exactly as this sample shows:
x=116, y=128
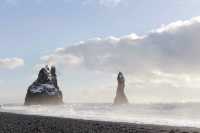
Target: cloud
x=171, y=48
x=162, y=61
x=109, y=3
x=66, y=59
x=104, y=3
x=11, y=63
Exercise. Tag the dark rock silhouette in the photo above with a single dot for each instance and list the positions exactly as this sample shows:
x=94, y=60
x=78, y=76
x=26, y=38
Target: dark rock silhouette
x=45, y=89
x=120, y=95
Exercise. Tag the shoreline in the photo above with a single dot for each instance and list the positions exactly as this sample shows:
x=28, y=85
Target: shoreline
x=22, y=123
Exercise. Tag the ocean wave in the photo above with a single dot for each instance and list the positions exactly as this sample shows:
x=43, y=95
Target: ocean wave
x=175, y=114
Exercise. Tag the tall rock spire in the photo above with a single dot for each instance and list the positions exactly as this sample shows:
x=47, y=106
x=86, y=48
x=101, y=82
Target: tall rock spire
x=120, y=95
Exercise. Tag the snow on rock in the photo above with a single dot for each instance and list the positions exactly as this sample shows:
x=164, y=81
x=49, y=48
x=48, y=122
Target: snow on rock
x=45, y=89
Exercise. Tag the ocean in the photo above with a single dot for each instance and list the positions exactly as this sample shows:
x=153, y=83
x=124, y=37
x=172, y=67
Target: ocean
x=173, y=114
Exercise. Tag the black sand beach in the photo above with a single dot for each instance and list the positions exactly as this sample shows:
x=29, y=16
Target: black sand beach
x=18, y=123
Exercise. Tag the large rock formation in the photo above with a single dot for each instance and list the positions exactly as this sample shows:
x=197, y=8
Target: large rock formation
x=120, y=95
x=45, y=89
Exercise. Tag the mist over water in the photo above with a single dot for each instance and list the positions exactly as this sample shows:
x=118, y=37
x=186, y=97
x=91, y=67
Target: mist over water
x=175, y=114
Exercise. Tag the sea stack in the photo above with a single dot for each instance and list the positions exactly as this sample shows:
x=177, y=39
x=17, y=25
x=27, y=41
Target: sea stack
x=45, y=89
x=120, y=95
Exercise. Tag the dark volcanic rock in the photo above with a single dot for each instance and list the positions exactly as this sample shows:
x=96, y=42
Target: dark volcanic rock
x=120, y=96
x=45, y=89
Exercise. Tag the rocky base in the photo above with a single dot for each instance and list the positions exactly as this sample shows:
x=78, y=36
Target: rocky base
x=34, y=99
x=120, y=99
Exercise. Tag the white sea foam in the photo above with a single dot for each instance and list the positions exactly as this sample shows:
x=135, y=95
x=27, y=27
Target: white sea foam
x=183, y=114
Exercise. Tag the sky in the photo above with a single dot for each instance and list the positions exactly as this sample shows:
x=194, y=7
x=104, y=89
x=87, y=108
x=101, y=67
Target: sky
x=155, y=43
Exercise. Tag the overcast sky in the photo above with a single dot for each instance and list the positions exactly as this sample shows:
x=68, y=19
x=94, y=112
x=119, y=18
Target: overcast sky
x=155, y=43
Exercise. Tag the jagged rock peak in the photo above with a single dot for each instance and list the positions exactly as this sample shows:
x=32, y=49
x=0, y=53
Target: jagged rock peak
x=45, y=89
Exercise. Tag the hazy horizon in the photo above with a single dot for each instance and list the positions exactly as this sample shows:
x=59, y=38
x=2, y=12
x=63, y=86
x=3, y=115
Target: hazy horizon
x=155, y=44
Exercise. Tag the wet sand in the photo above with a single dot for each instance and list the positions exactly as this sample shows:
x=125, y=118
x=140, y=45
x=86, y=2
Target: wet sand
x=18, y=123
